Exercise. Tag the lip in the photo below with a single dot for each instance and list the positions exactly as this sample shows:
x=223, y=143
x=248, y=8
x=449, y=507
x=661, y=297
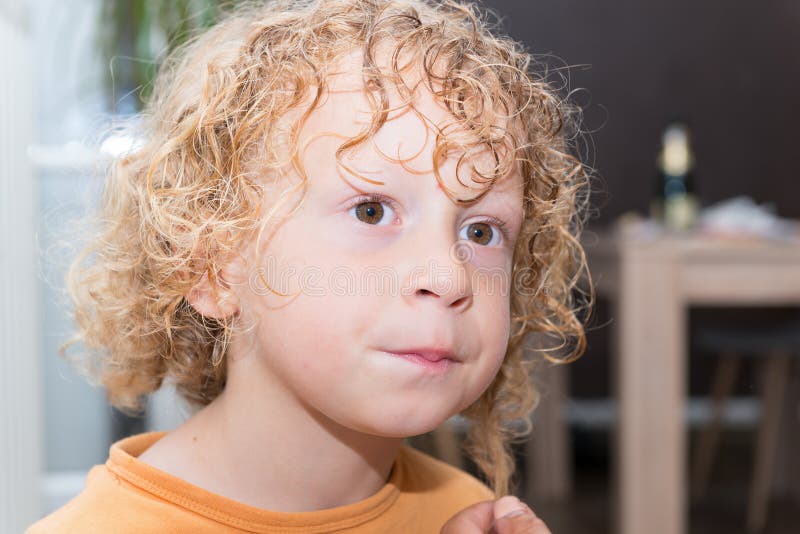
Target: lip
x=435, y=360
x=428, y=353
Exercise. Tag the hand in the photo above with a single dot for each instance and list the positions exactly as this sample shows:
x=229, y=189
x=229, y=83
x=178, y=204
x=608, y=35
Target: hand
x=496, y=517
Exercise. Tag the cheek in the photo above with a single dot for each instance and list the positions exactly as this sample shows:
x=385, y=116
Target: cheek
x=492, y=294
x=318, y=333
x=299, y=348
x=495, y=333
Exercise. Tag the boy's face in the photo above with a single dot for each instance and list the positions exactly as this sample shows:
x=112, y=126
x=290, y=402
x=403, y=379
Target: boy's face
x=368, y=277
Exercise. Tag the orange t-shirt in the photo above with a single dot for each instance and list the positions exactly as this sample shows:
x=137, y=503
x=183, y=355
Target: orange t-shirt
x=128, y=495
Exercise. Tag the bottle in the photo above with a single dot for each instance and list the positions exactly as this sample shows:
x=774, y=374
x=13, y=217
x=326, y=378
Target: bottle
x=675, y=205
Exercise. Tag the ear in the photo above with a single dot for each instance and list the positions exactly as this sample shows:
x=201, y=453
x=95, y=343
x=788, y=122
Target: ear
x=218, y=299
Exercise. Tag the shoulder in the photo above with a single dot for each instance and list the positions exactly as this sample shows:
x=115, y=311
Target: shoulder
x=104, y=505
x=424, y=473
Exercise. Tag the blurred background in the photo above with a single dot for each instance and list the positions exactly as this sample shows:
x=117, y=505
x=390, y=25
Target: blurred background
x=682, y=416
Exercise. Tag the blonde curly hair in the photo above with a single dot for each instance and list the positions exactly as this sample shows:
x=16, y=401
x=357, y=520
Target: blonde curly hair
x=182, y=203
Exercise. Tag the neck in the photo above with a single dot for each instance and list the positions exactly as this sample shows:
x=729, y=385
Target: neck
x=268, y=449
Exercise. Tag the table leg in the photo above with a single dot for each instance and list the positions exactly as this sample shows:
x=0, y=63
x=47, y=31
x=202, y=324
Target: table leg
x=650, y=383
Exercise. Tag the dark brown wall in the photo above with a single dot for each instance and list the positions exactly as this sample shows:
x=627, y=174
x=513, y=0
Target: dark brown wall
x=731, y=67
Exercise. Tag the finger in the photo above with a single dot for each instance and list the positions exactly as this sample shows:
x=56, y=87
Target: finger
x=524, y=523
x=513, y=516
x=475, y=519
x=507, y=505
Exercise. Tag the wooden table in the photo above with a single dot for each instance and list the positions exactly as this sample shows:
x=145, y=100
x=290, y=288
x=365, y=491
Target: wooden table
x=651, y=281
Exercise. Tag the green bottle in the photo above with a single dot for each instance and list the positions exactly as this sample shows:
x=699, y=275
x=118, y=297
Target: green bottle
x=674, y=204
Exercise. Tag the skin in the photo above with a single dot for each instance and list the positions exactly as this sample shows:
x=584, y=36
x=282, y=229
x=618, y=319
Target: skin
x=313, y=412
x=506, y=515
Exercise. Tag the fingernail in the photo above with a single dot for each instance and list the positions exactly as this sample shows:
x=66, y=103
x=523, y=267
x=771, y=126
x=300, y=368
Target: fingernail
x=510, y=506
x=518, y=511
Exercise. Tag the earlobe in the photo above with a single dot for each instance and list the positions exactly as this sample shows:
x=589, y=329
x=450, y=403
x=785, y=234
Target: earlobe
x=217, y=301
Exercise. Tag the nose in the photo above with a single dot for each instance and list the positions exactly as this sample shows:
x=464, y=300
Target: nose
x=438, y=270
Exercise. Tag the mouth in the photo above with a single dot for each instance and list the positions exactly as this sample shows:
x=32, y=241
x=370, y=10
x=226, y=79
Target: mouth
x=435, y=360
x=427, y=353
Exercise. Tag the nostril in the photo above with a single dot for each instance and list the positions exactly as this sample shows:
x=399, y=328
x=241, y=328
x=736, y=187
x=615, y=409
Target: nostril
x=462, y=301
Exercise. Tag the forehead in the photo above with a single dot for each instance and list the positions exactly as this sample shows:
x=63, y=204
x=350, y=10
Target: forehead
x=405, y=142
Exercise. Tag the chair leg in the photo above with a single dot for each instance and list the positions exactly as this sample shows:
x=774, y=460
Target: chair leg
x=445, y=441
x=548, y=474
x=706, y=448
x=776, y=374
x=786, y=481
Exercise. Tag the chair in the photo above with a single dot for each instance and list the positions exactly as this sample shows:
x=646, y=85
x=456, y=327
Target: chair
x=446, y=441
x=776, y=350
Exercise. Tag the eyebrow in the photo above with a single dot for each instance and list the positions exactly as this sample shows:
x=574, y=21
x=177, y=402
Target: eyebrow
x=377, y=165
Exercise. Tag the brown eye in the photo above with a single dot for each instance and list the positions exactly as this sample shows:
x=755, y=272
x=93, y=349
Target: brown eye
x=480, y=233
x=369, y=212
x=485, y=233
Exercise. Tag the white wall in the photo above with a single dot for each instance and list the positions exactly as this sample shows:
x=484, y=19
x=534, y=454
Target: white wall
x=69, y=107
x=53, y=425
x=20, y=443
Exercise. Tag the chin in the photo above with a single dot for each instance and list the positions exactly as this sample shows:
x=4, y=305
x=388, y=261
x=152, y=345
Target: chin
x=402, y=424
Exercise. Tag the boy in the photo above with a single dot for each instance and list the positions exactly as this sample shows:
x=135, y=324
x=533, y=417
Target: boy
x=294, y=153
